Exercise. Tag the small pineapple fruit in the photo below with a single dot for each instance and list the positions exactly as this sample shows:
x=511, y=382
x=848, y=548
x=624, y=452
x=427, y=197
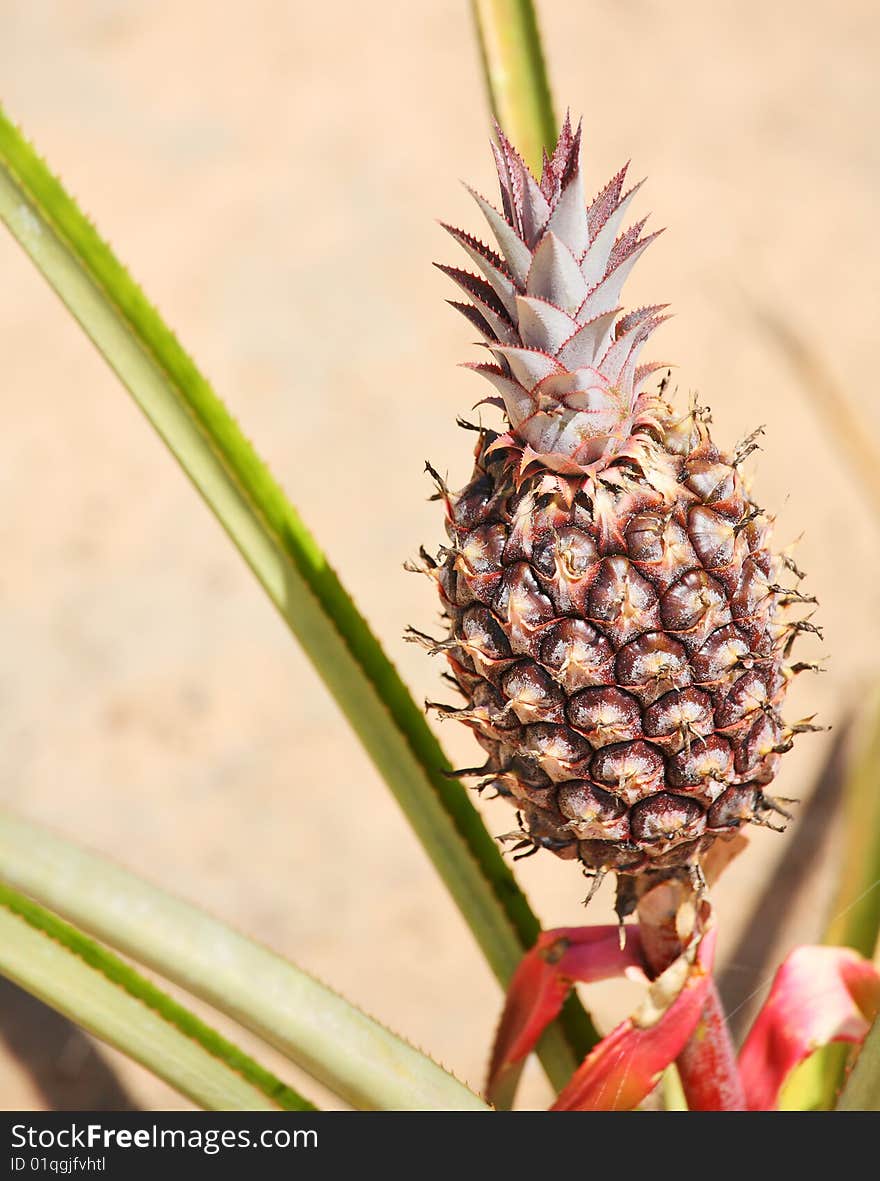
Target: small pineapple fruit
x=618, y=624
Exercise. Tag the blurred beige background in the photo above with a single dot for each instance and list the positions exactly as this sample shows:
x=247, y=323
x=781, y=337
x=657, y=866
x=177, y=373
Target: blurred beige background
x=271, y=173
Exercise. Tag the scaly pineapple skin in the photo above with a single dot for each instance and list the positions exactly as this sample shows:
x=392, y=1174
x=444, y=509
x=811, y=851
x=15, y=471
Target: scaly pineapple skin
x=623, y=668
x=618, y=624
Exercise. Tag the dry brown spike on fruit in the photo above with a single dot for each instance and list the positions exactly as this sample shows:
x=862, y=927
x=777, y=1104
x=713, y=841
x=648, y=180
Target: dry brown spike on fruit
x=618, y=623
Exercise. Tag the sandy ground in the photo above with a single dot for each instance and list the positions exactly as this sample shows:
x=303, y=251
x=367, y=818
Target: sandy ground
x=271, y=173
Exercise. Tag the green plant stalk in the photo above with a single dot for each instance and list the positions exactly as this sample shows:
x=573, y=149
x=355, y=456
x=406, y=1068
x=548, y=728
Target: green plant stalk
x=88, y=984
x=294, y=572
x=674, y=1098
x=329, y=1038
x=516, y=75
x=855, y=910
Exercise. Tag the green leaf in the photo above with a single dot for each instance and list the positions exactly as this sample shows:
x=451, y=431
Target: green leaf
x=516, y=75
x=106, y=996
x=855, y=909
x=334, y=1041
x=861, y=1091
x=287, y=561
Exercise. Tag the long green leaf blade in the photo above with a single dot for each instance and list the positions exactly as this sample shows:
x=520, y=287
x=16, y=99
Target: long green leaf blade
x=106, y=996
x=287, y=561
x=335, y=1042
x=855, y=909
x=516, y=75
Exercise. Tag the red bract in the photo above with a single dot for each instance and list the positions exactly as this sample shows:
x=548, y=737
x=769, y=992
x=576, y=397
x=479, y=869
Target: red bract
x=542, y=982
x=819, y=995
x=626, y=1065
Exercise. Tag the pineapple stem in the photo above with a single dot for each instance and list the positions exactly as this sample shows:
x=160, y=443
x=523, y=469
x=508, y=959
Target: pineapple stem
x=707, y=1065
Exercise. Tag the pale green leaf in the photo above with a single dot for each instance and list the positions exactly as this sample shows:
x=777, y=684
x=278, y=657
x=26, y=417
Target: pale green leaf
x=107, y=997
x=329, y=1038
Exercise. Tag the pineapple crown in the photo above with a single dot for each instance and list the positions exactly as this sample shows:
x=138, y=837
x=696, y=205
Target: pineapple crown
x=566, y=355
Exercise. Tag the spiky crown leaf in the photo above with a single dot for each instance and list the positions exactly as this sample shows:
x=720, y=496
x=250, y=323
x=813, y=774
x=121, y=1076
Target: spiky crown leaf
x=566, y=355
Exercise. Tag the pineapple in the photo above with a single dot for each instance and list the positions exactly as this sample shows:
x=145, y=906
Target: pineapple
x=618, y=625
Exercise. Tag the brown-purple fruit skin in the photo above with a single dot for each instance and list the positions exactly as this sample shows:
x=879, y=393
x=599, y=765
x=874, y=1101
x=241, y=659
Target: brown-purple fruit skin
x=625, y=675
